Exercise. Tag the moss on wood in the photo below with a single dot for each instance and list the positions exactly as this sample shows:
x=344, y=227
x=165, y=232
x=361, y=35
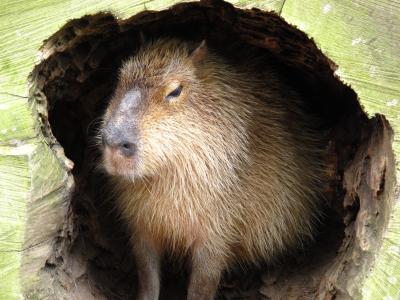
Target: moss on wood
x=362, y=37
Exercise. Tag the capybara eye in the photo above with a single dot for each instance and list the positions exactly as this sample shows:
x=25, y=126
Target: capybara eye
x=175, y=93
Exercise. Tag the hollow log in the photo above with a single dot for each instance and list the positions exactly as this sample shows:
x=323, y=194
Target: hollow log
x=56, y=244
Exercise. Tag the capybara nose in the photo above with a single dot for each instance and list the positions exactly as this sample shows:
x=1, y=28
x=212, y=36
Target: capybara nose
x=125, y=147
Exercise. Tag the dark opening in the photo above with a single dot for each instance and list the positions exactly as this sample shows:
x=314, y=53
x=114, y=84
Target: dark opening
x=77, y=78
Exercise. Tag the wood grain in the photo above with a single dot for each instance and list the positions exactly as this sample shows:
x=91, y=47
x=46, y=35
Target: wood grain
x=362, y=37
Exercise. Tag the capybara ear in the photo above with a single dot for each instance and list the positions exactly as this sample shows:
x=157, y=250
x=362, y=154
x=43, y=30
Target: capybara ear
x=199, y=53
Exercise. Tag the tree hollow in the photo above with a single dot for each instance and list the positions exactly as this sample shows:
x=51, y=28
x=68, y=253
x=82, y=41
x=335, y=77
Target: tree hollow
x=72, y=86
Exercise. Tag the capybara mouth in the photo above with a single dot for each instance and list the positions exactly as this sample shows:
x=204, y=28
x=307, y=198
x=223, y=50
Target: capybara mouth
x=117, y=164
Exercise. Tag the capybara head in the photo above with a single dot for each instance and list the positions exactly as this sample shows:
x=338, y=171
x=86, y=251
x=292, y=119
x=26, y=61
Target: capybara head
x=167, y=111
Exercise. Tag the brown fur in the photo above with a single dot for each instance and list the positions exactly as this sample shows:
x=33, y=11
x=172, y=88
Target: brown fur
x=229, y=172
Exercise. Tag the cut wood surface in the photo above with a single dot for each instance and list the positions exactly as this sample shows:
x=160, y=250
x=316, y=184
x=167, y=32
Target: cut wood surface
x=361, y=37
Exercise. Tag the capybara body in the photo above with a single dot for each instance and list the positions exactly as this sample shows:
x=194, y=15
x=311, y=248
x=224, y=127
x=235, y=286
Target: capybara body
x=210, y=162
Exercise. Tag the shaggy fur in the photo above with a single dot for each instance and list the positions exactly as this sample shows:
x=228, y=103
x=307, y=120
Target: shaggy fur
x=228, y=172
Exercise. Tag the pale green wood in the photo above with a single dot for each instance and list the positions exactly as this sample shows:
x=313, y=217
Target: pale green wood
x=17, y=123
x=47, y=198
x=363, y=38
x=269, y=5
x=14, y=189
x=32, y=191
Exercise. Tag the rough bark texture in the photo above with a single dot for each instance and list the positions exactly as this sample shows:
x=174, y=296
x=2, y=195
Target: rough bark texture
x=91, y=258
